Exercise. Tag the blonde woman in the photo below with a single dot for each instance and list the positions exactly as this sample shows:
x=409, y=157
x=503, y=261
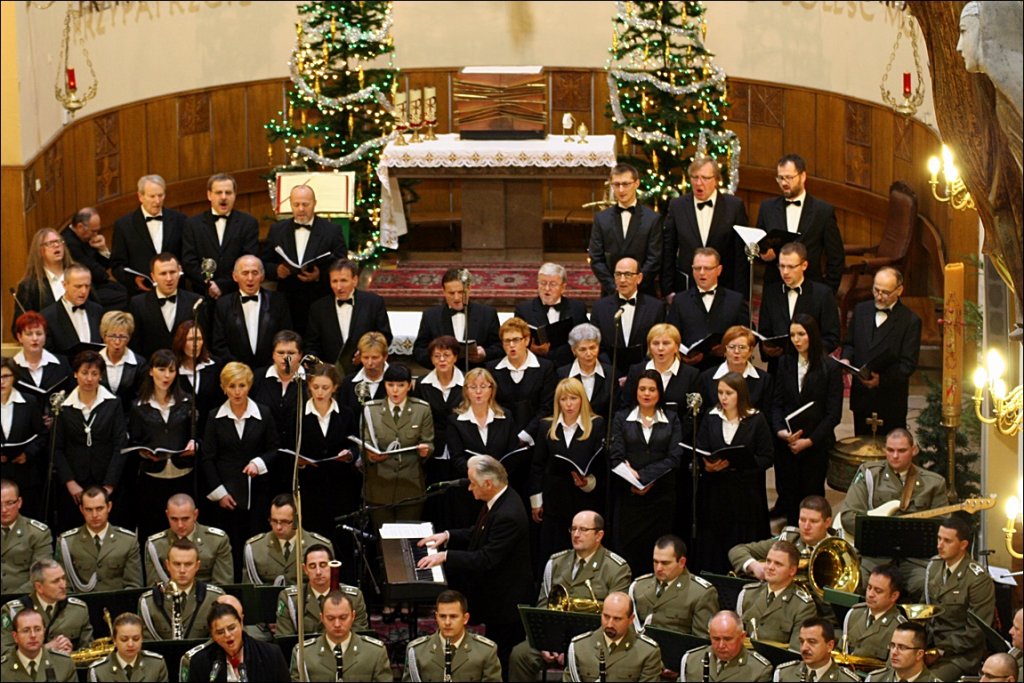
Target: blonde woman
x=570, y=469
x=678, y=378
x=123, y=371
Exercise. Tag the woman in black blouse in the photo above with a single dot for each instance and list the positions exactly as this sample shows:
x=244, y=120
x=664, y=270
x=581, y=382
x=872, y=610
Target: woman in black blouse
x=123, y=371
x=196, y=367
x=21, y=419
x=645, y=442
x=585, y=342
x=39, y=372
x=161, y=417
x=90, y=435
x=738, y=343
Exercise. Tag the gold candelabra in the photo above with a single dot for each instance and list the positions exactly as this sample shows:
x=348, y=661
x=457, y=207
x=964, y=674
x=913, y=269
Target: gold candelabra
x=953, y=189
x=1012, y=510
x=1006, y=403
x=66, y=88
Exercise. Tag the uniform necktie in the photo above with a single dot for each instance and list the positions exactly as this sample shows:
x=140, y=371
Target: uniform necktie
x=32, y=669
x=397, y=412
x=946, y=574
x=660, y=589
x=287, y=550
x=771, y=597
x=576, y=568
x=128, y=671
x=49, y=613
x=871, y=619
x=321, y=600
x=99, y=544
x=611, y=648
x=813, y=676
x=6, y=529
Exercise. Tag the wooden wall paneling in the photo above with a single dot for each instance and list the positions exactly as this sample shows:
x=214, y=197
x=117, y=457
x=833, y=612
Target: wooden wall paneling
x=161, y=139
x=263, y=101
x=798, y=136
x=602, y=122
x=196, y=147
x=764, y=146
x=229, y=124
x=14, y=241
x=107, y=180
x=134, y=161
x=78, y=184
x=826, y=159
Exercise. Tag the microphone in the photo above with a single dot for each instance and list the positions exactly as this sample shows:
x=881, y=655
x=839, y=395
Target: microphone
x=208, y=267
x=464, y=277
x=357, y=532
x=16, y=299
x=694, y=402
x=310, y=360
x=450, y=484
x=215, y=670
x=57, y=400
x=618, y=314
x=363, y=392
x=197, y=304
x=288, y=364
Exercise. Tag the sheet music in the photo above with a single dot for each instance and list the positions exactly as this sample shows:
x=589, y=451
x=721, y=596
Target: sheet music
x=415, y=530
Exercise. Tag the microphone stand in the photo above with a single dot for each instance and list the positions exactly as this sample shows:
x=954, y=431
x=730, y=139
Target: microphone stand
x=614, y=380
x=300, y=595
x=14, y=295
x=194, y=411
x=363, y=395
x=464, y=278
x=694, y=402
x=752, y=250
x=56, y=405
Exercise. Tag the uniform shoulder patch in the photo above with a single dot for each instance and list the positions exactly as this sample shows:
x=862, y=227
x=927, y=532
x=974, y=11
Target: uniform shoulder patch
x=151, y=654
x=320, y=539
x=647, y=639
x=58, y=653
x=350, y=590
x=641, y=578
x=582, y=636
x=701, y=581
x=696, y=649
x=419, y=641
x=484, y=640
x=291, y=590
x=197, y=649
x=216, y=532
x=976, y=568
x=786, y=665
x=759, y=657
x=616, y=558
x=256, y=538
x=3, y=659
x=752, y=586
x=309, y=641
x=561, y=553
x=157, y=536
x=210, y=588
x=420, y=401
x=373, y=641
x=37, y=524
x=100, y=662
x=70, y=532
x=76, y=601
x=803, y=595
x=147, y=594
x=788, y=530
x=122, y=530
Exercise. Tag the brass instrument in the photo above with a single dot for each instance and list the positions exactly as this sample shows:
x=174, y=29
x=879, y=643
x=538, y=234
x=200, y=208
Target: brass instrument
x=857, y=662
x=558, y=599
x=834, y=563
x=98, y=649
x=177, y=598
x=919, y=611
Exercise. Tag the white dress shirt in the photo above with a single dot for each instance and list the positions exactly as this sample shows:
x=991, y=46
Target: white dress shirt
x=704, y=217
x=793, y=212
x=156, y=231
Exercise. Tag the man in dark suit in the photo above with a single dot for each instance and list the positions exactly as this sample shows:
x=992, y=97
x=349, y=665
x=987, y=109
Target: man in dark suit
x=158, y=313
x=640, y=312
x=796, y=294
x=460, y=319
x=626, y=229
x=549, y=306
x=337, y=321
x=492, y=558
x=704, y=218
x=88, y=246
x=73, y=318
x=707, y=308
x=222, y=234
x=812, y=220
x=885, y=335
x=245, y=321
x=303, y=238
x=147, y=231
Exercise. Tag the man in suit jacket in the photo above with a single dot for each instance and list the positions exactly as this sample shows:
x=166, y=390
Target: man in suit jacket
x=460, y=319
x=337, y=321
x=246, y=320
x=492, y=558
x=147, y=231
x=88, y=246
x=704, y=218
x=708, y=308
x=158, y=313
x=222, y=234
x=626, y=229
x=303, y=238
x=796, y=294
x=549, y=306
x=640, y=312
x=813, y=221
x=885, y=335
x=73, y=318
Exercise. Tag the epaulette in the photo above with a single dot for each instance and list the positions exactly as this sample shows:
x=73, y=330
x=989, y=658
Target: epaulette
x=157, y=536
x=102, y=660
x=878, y=671
x=581, y=636
x=803, y=595
x=483, y=639
x=291, y=590
x=413, y=399
x=70, y=532
x=789, y=530
x=198, y=648
x=3, y=659
x=759, y=657
x=122, y=530
x=309, y=641
x=150, y=653
x=210, y=588
x=257, y=537
x=752, y=586
x=322, y=539
x=859, y=604
x=976, y=568
x=784, y=665
x=419, y=641
x=641, y=578
x=37, y=524
x=216, y=532
x=374, y=641
x=647, y=639
x=561, y=553
x=616, y=558
x=374, y=402
x=694, y=649
x=351, y=590
x=147, y=594
x=701, y=581
x=76, y=601
x=58, y=653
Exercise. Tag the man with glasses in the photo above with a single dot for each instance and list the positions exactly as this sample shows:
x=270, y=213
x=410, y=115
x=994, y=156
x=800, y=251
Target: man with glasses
x=906, y=657
x=811, y=220
x=24, y=541
x=31, y=658
x=640, y=312
x=999, y=667
x=550, y=307
x=587, y=571
x=884, y=339
x=704, y=218
x=627, y=229
x=270, y=557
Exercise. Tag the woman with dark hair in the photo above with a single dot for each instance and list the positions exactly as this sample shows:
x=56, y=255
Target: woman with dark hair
x=732, y=502
x=645, y=445
x=90, y=432
x=739, y=343
x=231, y=654
x=441, y=388
x=161, y=417
x=197, y=368
x=38, y=371
x=123, y=371
x=801, y=457
x=571, y=440
x=21, y=419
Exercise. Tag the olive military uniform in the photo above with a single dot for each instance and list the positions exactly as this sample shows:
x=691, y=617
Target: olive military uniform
x=740, y=555
x=12, y=670
x=400, y=476
x=111, y=566
x=872, y=640
x=606, y=573
x=746, y=666
x=365, y=659
x=287, y=610
x=156, y=611
x=778, y=619
x=960, y=640
x=264, y=561
x=25, y=542
x=685, y=605
x=1018, y=655
x=148, y=666
x=69, y=618
x=886, y=674
x=636, y=658
x=215, y=564
x=796, y=671
x=475, y=659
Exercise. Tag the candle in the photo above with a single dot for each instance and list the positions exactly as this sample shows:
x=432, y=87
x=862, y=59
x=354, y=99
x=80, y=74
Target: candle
x=906, y=83
x=72, y=83
x=416, y=106
x=430, y=100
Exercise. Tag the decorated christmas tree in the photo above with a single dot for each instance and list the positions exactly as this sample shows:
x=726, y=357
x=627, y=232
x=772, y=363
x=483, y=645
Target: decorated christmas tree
x=667, y=97
x=339, y=113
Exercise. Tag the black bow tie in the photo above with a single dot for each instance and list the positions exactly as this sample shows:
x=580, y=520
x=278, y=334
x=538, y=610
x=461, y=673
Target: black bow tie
x=883, y=311
x=710, y=292
x=75, y=309
x=708, y=204
x=799, y=289
x=247, y=299
x=168, y=299
x=452, y=312
x=341, y=302
x=550, y=307
x=217, y=217
x=624, y=209
x=154, y=218
x=627, y=302
x=792, y=202
x=303, y=226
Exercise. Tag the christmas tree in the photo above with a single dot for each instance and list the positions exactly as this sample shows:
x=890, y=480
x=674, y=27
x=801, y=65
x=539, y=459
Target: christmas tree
x=339, y=112
x=667, y=97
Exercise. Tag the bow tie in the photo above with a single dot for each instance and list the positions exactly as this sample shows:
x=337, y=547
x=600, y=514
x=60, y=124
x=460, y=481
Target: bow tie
x=168, y=299
x=217, y=217
x=75, y=309
x=708, y=204
x=303, y=226
x=246, y=299
x=452, y=312
x=154, y=218
x=792, y=202
x=883, y=311
x=341, y=302
x=799, y=289
x=627, y=302
x=624, y=209
x=550, y=307
x=710, y=292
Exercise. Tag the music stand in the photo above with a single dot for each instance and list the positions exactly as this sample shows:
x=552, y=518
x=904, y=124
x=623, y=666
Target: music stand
x=896, y=537
x=551, y=630
x=728, y=588
x=674, y=645
x=994, y=641
x=774, y=654
x=258, y=601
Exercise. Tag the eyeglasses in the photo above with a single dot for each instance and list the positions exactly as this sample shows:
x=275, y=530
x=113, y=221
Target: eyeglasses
x=900, y=647
x=883, y=292
x=619, y=186
x=786, y=178
x=621, y=274
x=549, y=285
x=7, y=376
x=581, y=529
x=511, y=341
x=285, y=523
x=703, y=269
x=49, y=244
x=116, y=337
x=479, y=387
x=737, y=347
x=705, y=178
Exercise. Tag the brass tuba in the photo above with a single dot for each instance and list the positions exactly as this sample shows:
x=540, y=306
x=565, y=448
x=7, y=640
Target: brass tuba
x=98, y=649
x=834, y=563
x=558, y=599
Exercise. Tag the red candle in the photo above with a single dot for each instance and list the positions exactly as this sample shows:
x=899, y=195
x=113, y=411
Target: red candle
x=906, y=83
x=72, y=84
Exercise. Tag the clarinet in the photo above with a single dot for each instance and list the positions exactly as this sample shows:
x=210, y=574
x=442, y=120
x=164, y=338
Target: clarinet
x=803, y=673
x=447, y=661
x=602, y=666
x=339, y=666
x=706, y=663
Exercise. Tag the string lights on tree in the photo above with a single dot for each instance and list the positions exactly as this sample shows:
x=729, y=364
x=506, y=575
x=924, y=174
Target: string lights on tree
x=667, y=97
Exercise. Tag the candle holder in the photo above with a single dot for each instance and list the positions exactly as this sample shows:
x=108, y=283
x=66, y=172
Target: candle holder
x=1012, y=510
x=430, y=119
x=415, y=116
x=568, y=123
x=581, y=133
x=400, y=122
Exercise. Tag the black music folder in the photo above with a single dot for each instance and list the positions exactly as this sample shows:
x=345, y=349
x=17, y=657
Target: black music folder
x=551, y=630
x=739, y=457
x=798, y=420
x=556, y=333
